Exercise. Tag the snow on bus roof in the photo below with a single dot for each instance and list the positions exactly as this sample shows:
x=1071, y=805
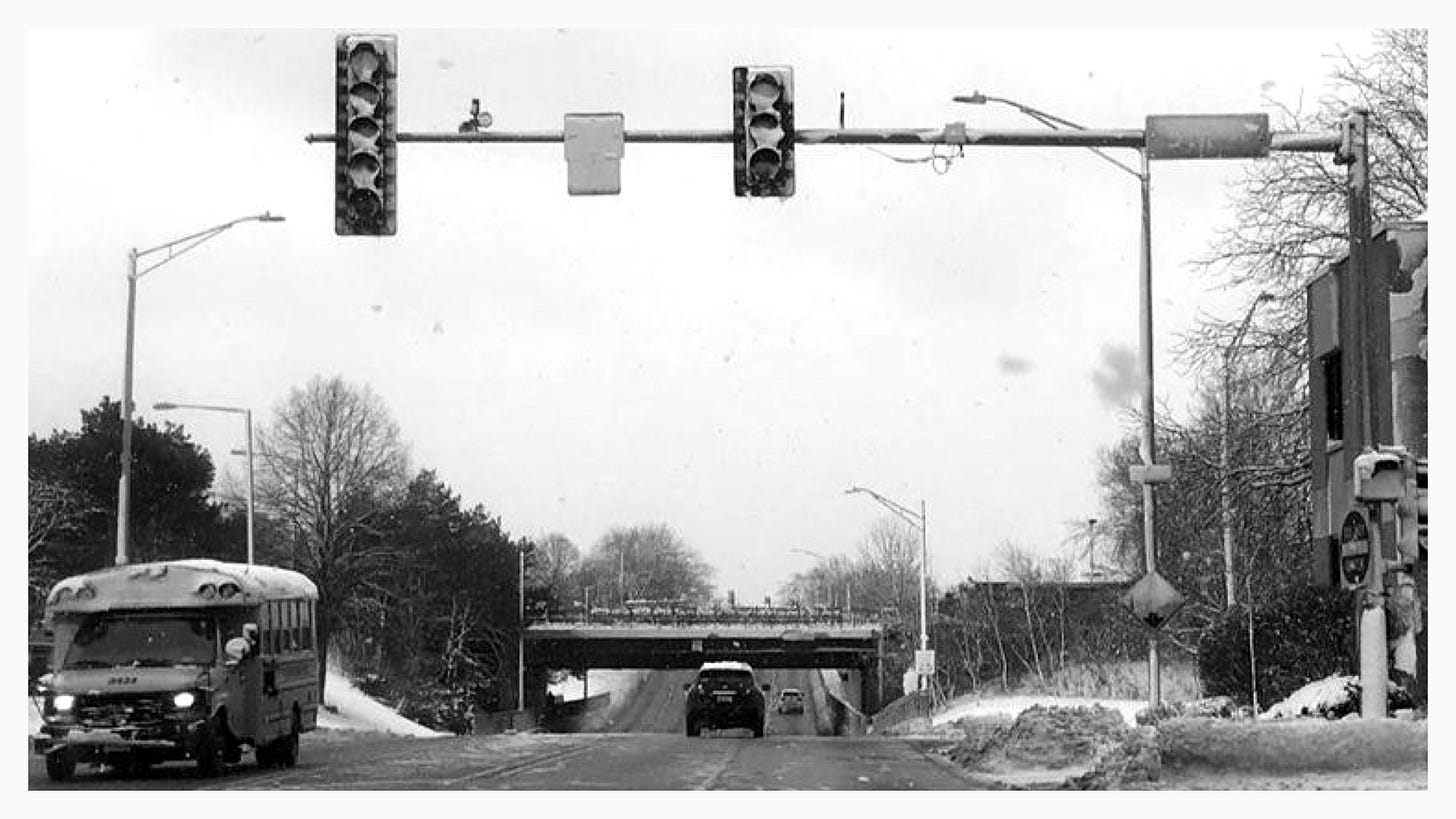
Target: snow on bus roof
x=115, y=585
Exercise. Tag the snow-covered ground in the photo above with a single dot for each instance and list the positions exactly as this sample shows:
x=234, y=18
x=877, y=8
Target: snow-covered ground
x=598, y=681
x=355, y=712
x=973, y=706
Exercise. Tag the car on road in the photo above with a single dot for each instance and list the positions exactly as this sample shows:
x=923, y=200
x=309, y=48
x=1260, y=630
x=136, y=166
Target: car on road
x=725, y=695
x=791, y=701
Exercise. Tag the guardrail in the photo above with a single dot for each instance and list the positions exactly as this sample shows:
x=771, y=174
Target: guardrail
x=701, y=618
x=916, y=704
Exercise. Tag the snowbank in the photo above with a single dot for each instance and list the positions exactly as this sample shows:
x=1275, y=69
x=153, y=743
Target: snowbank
x=972, y=706
x=357, y=711
x=598, y=681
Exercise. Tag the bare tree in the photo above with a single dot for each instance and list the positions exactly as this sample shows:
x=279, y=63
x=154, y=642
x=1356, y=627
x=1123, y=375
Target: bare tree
x=329, y=461
x=647, y=562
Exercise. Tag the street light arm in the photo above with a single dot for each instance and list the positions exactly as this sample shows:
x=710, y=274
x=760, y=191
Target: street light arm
x=910, y=517
x=193, y=240
x=1049, y=120
x=162, y=406
x=1232, y=348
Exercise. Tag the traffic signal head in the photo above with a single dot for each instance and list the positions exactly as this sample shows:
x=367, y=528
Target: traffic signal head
x=364, y=154
x=763, y=131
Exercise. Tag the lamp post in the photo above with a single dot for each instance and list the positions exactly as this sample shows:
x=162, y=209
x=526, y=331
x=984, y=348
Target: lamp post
x=521, y=636
x=1148, y=447
x=917, y=521
x=163, y=406
x=1225, y=489
x=173, y=249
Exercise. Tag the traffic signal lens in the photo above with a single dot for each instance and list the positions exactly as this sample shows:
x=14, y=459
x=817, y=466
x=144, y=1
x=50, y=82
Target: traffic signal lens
x=363, y=135
x=363, y=99
x=364, y=205
x=765, y=163
x=363, y=62
x=765, y=128
x=363, y=171
x=764, y=91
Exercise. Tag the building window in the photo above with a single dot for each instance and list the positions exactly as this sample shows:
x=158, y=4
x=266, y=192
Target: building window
x=1334, y=397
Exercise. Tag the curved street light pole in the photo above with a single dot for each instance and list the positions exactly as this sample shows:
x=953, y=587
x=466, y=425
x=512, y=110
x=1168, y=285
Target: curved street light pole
x=1225, y=488
x=173, y=249
x=917, y=521
x=1148, y=446
x=163, y=406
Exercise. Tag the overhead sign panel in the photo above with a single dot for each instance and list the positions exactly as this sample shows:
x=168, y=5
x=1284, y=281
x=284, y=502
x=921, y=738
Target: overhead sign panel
x=594, y=146
x=1208, y=136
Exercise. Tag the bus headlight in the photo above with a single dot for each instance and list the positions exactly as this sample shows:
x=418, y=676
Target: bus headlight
x=63, y=702
x=184, y=699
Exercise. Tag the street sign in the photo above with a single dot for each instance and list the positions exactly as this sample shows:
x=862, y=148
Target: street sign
x=1208, y=136
x=1150, y=473
x=1153, y=600
x=1354, y=549
x=594, y=146
x=925, y=663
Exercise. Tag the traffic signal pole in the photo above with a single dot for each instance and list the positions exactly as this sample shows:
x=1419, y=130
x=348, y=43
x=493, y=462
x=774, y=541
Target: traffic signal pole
x=1168, y=137
x=955, y=133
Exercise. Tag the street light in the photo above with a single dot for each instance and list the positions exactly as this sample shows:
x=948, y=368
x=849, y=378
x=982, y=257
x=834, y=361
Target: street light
x=822, y=558
x=163, y=406
x=173, y=249
x=917, y=521
x=1225, y=489
x=1148, y=446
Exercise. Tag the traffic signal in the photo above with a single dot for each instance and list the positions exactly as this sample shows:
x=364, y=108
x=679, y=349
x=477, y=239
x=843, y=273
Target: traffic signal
x=763, y=131
x=365, y=113
x=1410, y=511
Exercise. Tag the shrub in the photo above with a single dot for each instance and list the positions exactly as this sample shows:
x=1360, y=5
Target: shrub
x=1307, y=636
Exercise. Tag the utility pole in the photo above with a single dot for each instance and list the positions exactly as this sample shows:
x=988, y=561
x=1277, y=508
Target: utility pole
x=1367, y=373
x=1149, y=441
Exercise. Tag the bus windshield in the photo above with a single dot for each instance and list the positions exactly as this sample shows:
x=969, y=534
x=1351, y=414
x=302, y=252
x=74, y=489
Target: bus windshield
x=109, y=640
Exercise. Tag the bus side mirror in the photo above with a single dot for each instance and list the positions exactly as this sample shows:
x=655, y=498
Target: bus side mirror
x=236, y=649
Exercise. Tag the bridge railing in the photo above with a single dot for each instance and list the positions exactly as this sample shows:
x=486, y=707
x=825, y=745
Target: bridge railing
x=682, y=616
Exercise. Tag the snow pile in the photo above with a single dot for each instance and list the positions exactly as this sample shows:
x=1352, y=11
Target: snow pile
x=972, y=706
x=617, y=682
x=1334, y=697
x=1052, y=744
x=357, y=711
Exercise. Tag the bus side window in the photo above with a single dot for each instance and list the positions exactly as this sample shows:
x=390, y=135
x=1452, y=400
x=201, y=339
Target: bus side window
x=292, y=608
x=307, y=625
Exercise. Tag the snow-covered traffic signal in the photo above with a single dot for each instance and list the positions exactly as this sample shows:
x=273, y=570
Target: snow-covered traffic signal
x=763, y=131
x=365, y=150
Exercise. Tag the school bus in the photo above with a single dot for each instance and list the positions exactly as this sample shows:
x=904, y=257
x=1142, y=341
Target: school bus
x=179, y=660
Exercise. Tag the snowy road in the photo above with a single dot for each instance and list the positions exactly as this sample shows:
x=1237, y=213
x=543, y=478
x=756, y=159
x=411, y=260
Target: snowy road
x=570, y=762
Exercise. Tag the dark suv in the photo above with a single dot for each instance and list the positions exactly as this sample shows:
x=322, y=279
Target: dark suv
x=725, y=695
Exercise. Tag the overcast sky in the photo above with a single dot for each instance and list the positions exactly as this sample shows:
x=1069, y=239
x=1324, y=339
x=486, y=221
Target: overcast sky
x=674, y=354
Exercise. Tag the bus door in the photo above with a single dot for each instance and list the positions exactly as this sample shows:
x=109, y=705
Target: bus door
x=245, y=687
x=274, y=714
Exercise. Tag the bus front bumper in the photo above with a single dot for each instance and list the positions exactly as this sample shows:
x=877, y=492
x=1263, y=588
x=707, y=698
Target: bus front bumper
x=171, y=735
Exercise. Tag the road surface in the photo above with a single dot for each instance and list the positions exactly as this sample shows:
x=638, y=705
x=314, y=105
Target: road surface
x=646, y=761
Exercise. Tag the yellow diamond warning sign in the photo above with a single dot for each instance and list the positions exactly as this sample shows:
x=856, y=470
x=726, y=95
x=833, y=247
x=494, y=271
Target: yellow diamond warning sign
x=1152, y=600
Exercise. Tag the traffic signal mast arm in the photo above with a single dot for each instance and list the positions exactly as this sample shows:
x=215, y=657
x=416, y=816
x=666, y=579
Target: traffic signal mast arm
x=954, y=133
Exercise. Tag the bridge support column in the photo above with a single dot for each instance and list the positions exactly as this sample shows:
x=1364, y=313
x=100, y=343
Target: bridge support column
x=872, y=685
